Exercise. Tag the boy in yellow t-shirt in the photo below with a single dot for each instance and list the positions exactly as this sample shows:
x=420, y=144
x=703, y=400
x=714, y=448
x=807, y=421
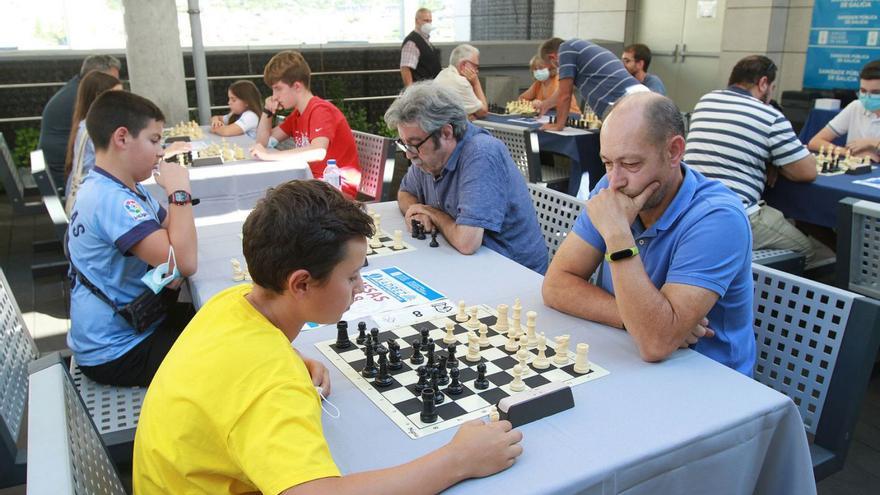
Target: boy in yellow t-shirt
x=233, y=407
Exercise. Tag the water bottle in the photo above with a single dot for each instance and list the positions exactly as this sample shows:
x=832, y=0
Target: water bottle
x=332, y=175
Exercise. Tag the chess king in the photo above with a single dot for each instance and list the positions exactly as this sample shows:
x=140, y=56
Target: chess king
x=250, y=392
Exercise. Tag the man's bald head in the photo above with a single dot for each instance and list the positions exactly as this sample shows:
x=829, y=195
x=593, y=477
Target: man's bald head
x=648, y=116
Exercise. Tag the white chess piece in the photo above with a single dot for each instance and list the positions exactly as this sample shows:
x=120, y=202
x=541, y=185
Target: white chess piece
x=517, y=308
x=473, y=354
x=375, y=241
x=461, y=316
x=531, y=316
x=237, y=273
x=493, y=414
x=512, y=345
x=522, y=356
x=581, y=361
x=541, y=362
x=450, y=335
x=247, y=275
x=517, y=385
x=484, y=335
x=398, y=240
x=502, y=325
x=561, y=357
x=473, y=323
x=377, y=220
x=515, y=327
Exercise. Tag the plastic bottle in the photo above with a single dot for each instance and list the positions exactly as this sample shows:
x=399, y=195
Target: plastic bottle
x=332, y=175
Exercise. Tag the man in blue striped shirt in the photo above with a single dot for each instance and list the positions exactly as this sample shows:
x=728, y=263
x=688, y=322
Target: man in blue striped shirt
x=735, y=133
x=598, y=74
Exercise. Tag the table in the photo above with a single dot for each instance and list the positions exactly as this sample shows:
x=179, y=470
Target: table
x=816, y=121
x=582, y=150
x=686, y=425
x=816, y=202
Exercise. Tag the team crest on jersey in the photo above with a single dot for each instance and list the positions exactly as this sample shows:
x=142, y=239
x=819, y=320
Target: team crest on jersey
x=134, y=210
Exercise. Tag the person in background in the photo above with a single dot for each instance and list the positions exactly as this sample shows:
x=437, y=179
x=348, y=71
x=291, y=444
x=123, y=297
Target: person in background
x=546, y=82
x=419, y=59
x=462, y=77
x=80, y=157
x=244, y=107
x=860, y=120
x=636, y=58
x=55, y=125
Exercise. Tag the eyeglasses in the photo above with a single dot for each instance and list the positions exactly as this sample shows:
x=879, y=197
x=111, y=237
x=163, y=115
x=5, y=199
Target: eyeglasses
x=413, y=148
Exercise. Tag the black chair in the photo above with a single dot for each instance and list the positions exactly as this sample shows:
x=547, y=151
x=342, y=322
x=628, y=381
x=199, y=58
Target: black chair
x=14, y=183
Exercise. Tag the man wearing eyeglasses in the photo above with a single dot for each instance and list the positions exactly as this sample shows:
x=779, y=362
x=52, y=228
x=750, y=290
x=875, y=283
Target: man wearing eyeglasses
x=462, y=78
x=737, y=138
x=462, y=181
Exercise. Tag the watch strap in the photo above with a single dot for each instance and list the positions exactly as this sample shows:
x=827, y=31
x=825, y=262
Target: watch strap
x=622, y=254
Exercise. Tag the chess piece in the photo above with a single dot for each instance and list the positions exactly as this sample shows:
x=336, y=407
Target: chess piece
x=481, y=383
x=394, y=361
x=374, y=334
x=376, y=241
x=561, y=357
x=473, y=323
x=423, y=379
x=342, y=341
x=362, y=333
x=473, y=354
x=432, y=362
x=237, y=273
x=442, y=373
x=416, y=357
x=494, y=416
x=429, y=407
x=541, y=362
x=450, y=351
x=370, y=370
x=414, y=228
x=434, y=242
x=438, y=395
x=522, y=356
x=581, y=361
x=517, y=385
x=383, y=379
x=531, y=316
x=455, y=387
x=449, y=338
x=398, y=241
x=461, y=316
x=247, y=276
x=424, y=333
x=377, y=220
x=501, y=324
x=512, y=345
x=484, y=335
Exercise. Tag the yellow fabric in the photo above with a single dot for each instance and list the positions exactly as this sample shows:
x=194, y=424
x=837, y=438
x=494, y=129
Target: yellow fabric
x=542, y=92
x=232, y=409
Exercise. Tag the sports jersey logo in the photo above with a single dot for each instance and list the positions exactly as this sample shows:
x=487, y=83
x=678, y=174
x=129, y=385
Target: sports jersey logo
x=134, y=210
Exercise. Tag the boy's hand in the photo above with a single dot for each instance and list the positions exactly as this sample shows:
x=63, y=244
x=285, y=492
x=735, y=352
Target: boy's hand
x=177, y=147
x=319, y=373
x=172, y=177
x=481, y=449
x=260, y=152
x=272, y=104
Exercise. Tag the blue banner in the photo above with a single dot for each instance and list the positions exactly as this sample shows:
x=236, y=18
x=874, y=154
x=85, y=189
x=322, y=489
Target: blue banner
x=843, y=38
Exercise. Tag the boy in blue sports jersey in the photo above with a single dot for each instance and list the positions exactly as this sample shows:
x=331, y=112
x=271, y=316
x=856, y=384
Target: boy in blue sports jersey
x=117, y=233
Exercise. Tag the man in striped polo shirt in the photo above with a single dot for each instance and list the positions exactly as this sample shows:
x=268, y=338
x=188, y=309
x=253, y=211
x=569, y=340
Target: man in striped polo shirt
x=598, y=74
x=735, y=133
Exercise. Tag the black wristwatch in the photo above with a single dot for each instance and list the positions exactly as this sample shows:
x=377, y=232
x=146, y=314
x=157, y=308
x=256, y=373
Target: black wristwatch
x=181, y=197
x=622, y=254
x=268, y=113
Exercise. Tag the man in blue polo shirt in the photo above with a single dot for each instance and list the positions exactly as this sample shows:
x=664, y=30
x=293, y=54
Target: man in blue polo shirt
x=598, y=74
x=673, y=248
x=463, y=181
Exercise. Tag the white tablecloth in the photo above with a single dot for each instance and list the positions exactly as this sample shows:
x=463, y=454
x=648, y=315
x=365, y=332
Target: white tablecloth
x=686, y=425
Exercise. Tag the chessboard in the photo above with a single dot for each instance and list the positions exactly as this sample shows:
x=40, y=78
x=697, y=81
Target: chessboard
x=399, y=399
x=382, y=244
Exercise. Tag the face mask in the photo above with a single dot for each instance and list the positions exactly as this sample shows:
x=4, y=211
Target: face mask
x=155, y=279
x=427, y=28
x=541, y=74
x=870, y=102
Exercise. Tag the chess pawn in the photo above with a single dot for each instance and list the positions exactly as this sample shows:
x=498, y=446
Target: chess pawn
x=375, y=241
x=494, y=416
x=484, y=335
x=377, y=221
x=473, y=323
x=561, y=357
x=541, y=362
x=473, y=354
x=501, y=326
x=522, y=356
x=398, y=240
x=512, y=345
x=517, y=385
x=582, y=362
x=461, y=316
x=237, y=273
x=531, y=316
x=450, y=336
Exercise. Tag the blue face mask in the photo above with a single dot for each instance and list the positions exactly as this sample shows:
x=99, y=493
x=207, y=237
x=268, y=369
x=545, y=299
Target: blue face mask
x=156, y=278
x=541, y=74
x=871, y=102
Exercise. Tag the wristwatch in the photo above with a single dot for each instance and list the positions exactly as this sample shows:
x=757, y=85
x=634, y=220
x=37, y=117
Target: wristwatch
x=622, y=254
x=181, y=197
x=268, y=113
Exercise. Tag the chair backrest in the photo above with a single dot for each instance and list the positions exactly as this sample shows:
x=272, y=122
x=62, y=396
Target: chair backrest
x=376, y=158
x=780, y=259
x=65, y=451
x=858, y=246
x=12, y=182
x=522, y=145
x=17, y=349
x=557, y=213
x=49, y=193
x=816, y=344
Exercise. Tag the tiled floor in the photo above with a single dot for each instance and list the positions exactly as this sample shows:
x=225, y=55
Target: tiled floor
x=44, y=304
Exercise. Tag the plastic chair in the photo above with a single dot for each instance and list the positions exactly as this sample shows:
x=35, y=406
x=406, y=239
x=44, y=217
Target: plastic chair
x=816, y=344
x=780, y=259
x=557, y=213
x=858, y=246
x=14, y=184
x=376, y=158
x=522, y=145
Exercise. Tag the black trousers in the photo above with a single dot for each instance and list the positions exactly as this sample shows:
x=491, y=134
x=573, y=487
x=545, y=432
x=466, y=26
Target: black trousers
x=138, y=366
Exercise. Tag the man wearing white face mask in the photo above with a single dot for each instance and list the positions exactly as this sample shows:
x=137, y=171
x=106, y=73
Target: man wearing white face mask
x=419, y=59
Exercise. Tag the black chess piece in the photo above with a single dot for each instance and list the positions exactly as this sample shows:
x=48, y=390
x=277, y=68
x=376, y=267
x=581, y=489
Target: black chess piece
x=342, y=341
x=439, y=397
x=424, y=333
x=432, y=362
x=450, y=351
x=442, y=374
x=414, y=228
x=421, y=236
x=455, y=387
x=416, y=357
x=481, y=382
x=383, y=379
x=429, y=407
x=374, y=334
x=362, y=333
x=434, y=242
x=370, y=370
x=423, y=379
x=394, y=362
